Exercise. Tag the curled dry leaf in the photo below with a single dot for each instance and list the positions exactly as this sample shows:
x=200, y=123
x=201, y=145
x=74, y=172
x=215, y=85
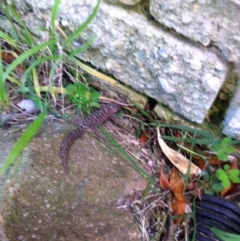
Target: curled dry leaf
x=178, y=209
x=229, y=190
x=177, y=184
x=145, y=136
x=8, y=57
x=178, y=160
x=163, y=181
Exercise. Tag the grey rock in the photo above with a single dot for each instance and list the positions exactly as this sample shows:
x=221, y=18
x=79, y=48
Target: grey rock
x=142, y=55
x=39, y=201
x=231, y=124
x=215, y=23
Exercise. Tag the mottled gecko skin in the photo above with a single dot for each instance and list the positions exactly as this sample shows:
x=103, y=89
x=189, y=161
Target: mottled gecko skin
x=92, y=122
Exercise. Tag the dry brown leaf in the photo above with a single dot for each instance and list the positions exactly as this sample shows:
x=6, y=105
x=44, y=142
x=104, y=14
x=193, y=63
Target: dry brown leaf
x=199, y=162
x=177, y=184
x=229, y=190
x=214, y=161
x=145, y=136
x=7, y=57
x=178, y=160
x=178, y=209
x=163, y=181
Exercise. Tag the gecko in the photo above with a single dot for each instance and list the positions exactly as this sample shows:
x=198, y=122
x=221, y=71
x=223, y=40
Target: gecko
x=90, y=123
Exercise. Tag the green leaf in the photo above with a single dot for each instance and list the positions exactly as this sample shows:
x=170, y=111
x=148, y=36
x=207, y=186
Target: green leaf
x=7, y=39
x=230, y=149
x=220, y=172
x=83, y=96
x=222, y=155
x=233, y=173
x=22, y=142
x=217, y=187
x=215, y=147
x=54, y=13
x=223, y=177
x=226, y=167
x=95, y=96
x=96, y=105
x=82, y=27
x=226, y=183
x=70, y=88
x=207, y=191
x=205, y=175
x=235, y=179
x=223, y=148
x=226, y=141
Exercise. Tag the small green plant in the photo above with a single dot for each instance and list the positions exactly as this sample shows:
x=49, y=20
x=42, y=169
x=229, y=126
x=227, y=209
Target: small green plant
x=223, y=148
x=226, y=176
x=83, y=96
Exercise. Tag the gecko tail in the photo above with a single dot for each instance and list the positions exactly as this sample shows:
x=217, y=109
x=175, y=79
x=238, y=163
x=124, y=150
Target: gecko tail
x=67, y=142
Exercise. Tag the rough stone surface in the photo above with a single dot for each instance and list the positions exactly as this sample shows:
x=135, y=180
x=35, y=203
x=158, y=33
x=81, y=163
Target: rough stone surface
x=232, y=122
x=210, y=22
x=40, y=202
x=152, y=61
x=232, y=119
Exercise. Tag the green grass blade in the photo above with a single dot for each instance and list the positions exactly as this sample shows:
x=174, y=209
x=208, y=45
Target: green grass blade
x=3, y=95
x=36, y=83
x=234, y=142
x=127, y=157
x=25, y=35
x=23, y=56
x=22, y=142
x=184, y=128
x=93, y=71
x=81, y=28
x=188, y=140
x=36, y=63
x=7, y=39
x=54, y=13
x=14, y=80
x=52, y=32
x=82, y=48
x=53, y=69
x=33, y=97
x=224, y=235
x=143, y=111
x=194, y=220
